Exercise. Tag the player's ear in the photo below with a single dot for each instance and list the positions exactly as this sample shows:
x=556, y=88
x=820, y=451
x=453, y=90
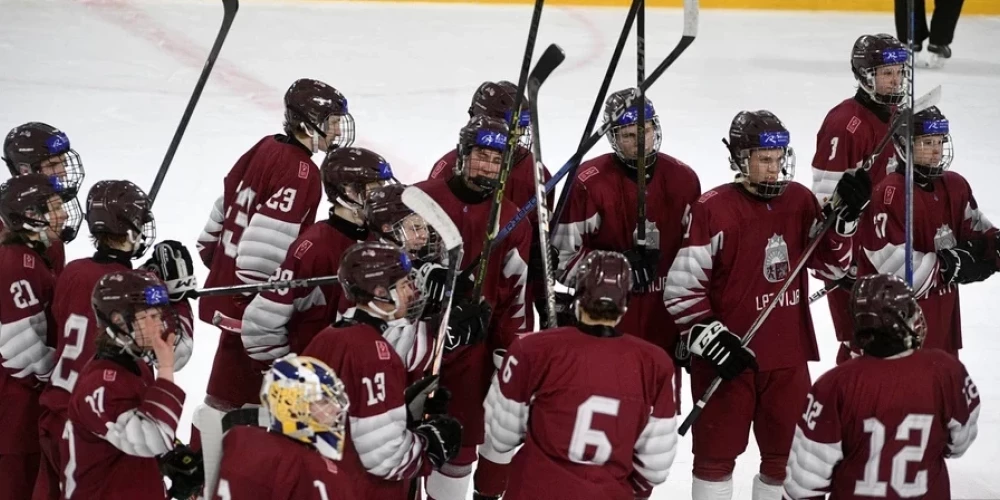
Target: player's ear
x=119, y=321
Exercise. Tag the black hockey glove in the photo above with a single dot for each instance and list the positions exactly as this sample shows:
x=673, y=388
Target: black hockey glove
x=958, y=265
x=185, y=469
x=432, y=280
x=172, y=263
x=419, y=404
x=682, y=355
x=467, y=324
x=855, y=192
x=442, y=437
x=714, y=343
x=565, y=316
x=644, y=262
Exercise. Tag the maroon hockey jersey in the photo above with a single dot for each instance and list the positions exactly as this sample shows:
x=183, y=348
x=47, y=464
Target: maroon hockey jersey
x=281, y=321
x=601, y=214
x=271, y=193
x=944, y=217
x=596, y=415
x=259, y=465
x=56, y=253
x=380, y=454
x=26, y=355
x=120, y=419
x=881, y=428
x=738, y=251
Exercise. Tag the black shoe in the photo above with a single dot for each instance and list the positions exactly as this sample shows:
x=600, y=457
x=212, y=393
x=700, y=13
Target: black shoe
x=917, y=47
x=942, y=51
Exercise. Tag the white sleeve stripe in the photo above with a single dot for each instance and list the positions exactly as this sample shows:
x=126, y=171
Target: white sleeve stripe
x=265, y=328
x=962, y=436
x=976, y=219
x=506, y=420
x=214, y=224
x=891, y=259
x=263, y=246
x=568, y=239
x=514, y=265
x=168, y=411
x=22, y=347
x=810, y=466
x=655, y=449
x=386, y=448
x=825, y=183
x=139, y=435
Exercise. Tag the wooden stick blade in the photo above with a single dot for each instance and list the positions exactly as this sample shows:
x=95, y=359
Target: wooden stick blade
x=425, y=206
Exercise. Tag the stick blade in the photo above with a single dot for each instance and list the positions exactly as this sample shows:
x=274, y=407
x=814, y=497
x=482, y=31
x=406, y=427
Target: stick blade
x=929, y=99
x=550, y=60
x=691, y=9
x=230, y=7
x=421, y=203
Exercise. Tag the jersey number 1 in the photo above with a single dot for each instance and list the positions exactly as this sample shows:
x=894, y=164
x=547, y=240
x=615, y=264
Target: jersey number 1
x=870, y=486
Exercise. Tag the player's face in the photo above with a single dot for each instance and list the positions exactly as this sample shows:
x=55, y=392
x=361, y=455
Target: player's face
x=928, y=150
x=56, y=216
x=765, y=165
x=332, y=132
x=407, y=293
x=148, y=325
x=889, y=79
x=415, y=233
x=325, y=412
x=485, y=163
x=628, y=139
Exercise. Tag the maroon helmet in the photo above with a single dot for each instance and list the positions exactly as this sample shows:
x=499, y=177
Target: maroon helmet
x=394, y=222
x=496, y=100
x=926, y=125
x=349, y=172
x=314, y=107
x=481, y=132
x=760, y=130
x=887, y=318
x=120, y=208
x=370, y=272
x=41, y=148
x=872, y=52
x=614, y=104
x=604, y=284
x=125, y=294
x=25, y=204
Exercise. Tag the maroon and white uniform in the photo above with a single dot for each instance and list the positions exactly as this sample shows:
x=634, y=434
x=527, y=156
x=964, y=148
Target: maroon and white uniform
x=120, y=419
x=848, y=137
x=944, y=217
x=601, y=214
x=596, y=415
x=266, y=466
x=737, y=253
x=27, y=359
x=467, y=370
x=270, y=195
x=55, y=253
x=381, y=454
x=281, y=321
x=881, y=428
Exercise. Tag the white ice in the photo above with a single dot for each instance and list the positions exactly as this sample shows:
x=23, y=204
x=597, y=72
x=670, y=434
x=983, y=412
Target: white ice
x=116, y=75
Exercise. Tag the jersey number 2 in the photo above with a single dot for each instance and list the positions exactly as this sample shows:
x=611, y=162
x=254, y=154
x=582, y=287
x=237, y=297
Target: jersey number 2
x=870, y=486
x=584, y=435
x=74, y=334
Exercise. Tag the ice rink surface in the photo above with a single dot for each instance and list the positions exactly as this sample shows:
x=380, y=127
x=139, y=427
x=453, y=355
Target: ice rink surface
x=116, y=75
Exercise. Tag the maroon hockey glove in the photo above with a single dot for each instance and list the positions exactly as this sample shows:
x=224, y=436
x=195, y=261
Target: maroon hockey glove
x=442, y=437
x=714, y=343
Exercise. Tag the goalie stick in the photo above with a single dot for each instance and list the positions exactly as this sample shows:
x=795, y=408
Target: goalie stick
x=904, y=115
x=687, y=37
x=229, y=8
x=557, y=56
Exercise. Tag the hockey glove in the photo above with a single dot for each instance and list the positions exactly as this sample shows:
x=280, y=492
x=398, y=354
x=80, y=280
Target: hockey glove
x=467, y=324
x=682, y=355
x=419, y=404
x=644, y=262
x=172, y=263
x=985, y=249
x=432, y=280
x=957, y=265
x=185, y=469
x=565, y=316
x=855, y=192
x=442, y=437
x=714, y=343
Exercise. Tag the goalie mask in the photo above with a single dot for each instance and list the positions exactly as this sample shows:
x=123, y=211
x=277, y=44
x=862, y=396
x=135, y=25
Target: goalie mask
x=306, y=402
x=319, y=111
x=496, y=100
x=759, y=153
x=350, y=173
x=41, y=148
x=381, y=277
x=932, y=146
x=887, y=318
x=394, y=222
x=879, y=66
x=624, y=132
x=131, y=307
x=121, y=209
x=481, y=146
x=30, y=203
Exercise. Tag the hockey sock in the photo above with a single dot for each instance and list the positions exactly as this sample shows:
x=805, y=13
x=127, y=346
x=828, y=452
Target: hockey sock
x=711, y=490
x=442, y=487
x=765, y=491
x=490, y=479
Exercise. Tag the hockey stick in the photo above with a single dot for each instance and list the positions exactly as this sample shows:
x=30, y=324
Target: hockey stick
x=908, y=184
x=229, y=14
x=267, y=285
x=493, y=223
x=596, y=110
x=930, y=99
x=688, y=36
x=534, y=84
x=640, y=128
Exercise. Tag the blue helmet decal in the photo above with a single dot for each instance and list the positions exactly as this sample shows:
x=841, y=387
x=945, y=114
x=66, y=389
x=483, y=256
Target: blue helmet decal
x=523, y=121
x=57, y=143
x=492, y=140
x=404, y=262
x=384, y=170
x=934, y=127
x=156, y=295
x=631, y=114
x=895, y=56
x=775, y=139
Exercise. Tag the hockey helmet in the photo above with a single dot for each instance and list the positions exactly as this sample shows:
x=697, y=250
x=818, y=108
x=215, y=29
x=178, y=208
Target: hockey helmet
x=753, y=131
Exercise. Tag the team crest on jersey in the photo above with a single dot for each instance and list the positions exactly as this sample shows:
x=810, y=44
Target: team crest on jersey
x=944, y=238
x=29, y=261
x=303, y=170
x=707, y=196
x=652, y=235
x=383, y=350
x=303, y=248
x=110, y=375
x=890, y=191
x=586, y=174
x=776, y=259
x=852, y=126
x=438, y=168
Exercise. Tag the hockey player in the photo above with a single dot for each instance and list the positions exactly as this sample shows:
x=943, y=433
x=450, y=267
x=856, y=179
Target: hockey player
x=348, y=173
x=122, y=227
x=390, y=440
x=270, y=195
x=496, y=100
x=502, y=312
x=40, y=148
x=621, y=438
x=33, y=213
x=122, y=416
x=602, y=214
x=306, y=404
x=950, y=234
x=742, y=241
x=867, y=410
x=849, y=135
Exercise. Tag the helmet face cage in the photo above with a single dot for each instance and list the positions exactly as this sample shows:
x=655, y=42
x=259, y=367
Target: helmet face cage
x=418, y=238
x=58, y=161
x=74, y=217
x=740, y=161
x=481, y=138
x=621, y=140
x=307, y=402
x=339, y=130
x=153, y=299
x=889, y=57
x=930, y=134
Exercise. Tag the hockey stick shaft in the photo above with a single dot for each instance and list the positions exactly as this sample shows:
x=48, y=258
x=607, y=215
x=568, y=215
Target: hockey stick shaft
x=908, y=184
x=534, y=84
x=640, y=130
x=595, y=112
x=267, y=285
x=230, y=7
x=493, y=223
